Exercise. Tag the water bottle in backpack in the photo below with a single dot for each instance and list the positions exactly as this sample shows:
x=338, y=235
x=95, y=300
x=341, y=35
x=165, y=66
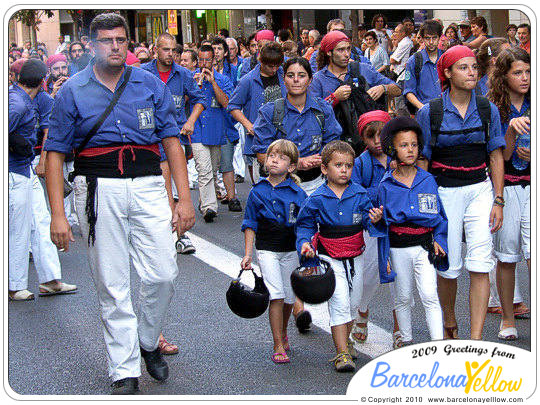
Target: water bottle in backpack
x=523, y=141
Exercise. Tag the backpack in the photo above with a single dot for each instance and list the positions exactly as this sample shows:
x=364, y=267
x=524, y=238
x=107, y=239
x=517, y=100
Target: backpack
x=359, y=102
x=279, y=115
x=436, y=113
x=418, y=65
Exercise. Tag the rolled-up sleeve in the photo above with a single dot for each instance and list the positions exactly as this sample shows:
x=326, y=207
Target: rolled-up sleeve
x=193, y=91
x=250, y=214
x=496, y=136
x=62, y=123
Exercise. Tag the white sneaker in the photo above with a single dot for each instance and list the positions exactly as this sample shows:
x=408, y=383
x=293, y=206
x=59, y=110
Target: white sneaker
x=184, y=245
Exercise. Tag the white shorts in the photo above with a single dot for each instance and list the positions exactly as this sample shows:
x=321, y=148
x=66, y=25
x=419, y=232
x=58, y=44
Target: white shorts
x=469, y=208
x=310, y=186
x=339, y=305
x=514, y=237
x=276, y=269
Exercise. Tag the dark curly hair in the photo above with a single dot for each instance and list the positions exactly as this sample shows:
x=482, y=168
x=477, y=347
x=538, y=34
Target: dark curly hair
x=499, y=92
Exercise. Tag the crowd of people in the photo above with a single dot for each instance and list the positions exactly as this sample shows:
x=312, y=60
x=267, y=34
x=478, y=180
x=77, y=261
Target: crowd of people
x=380, y=158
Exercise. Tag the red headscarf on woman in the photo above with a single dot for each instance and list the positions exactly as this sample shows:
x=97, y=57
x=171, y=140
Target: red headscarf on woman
x=450, y=57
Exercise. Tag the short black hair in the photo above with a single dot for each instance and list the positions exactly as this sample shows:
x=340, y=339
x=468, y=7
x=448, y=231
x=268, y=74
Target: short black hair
x=251, y=38
x=106, y=21
x=207, y=48
x=221, y=41
x=430, y=27
x=298, y=60
x=179, y=49
x=224, y=32
x=75, y=43
x=525, y=25
x=371, y=34
x=284, y=34
x=271, y=54
x=32, y=73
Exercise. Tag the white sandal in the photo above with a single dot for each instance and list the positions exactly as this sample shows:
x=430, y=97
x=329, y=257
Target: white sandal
x=507, y=333
x=21, y=295
x=360, y=329
x=65, y=288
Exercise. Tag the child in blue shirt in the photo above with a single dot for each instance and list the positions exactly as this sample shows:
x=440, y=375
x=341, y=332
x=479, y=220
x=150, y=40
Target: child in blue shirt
x=341, y=211
x=271, y=210
x=416, y=241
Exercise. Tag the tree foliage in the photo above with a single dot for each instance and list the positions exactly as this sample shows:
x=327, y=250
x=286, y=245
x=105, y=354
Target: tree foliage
x=32, y=18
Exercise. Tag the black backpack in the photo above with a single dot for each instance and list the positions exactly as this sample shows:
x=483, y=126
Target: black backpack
x=436, y=113
x=359, y=102
x=279, y=115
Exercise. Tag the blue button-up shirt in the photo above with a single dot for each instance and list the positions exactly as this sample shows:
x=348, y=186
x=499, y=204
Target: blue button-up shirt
x=249, y=97
x=325, y=208
x=428, y=86
x=357, y=56
x=144, y=115
x=420, y=204
x=368, y=172
x=279, y=204
x=452, y=120
x=44, y=104
x=211, y=126
x=23, y=119
x=325, y=82
x=302, y=128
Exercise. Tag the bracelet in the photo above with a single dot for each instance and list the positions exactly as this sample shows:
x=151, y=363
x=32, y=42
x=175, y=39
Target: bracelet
x=501, y=199
x=499, y=203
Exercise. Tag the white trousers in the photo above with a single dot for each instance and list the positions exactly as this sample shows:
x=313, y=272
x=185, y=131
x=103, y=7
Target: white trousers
x=409, y=263
x=339, y=305
x=513, y=240
x=44, y=252
x=494, y=300
x=69, y=201
x=19, y=227
x=362, y=296
x=310, y=186
x=133, y=228
x=469, y=208
x=239, y=164
x=207, y=163
x=276, y=269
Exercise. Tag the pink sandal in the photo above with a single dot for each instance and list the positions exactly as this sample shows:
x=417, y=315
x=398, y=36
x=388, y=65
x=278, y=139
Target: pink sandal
x=284, y=358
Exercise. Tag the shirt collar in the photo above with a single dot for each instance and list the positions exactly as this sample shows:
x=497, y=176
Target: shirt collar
x=420, y=176
x=326, y=191
x=310, y=104
x=24, y=94
x=288, y=182
x=449, y=106
x=426, y=58
x=87, y=73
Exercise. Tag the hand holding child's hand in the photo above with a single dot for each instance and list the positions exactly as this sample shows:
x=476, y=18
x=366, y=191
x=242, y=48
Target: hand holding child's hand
x=438, y=250
x=375, y=214
x=307, y=250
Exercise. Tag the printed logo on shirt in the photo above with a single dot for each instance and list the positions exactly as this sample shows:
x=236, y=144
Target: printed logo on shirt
x=427, y=204
x=406, y=75
x=272, y=93
x=316, y=142
x=146, y=118
x=293, y=212
x=214, y=103
x=178, y=101
x=356, y=218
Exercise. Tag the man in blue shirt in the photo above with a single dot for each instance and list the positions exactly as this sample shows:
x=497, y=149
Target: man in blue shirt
x=210, y=130
x=248, y=64
x=58, y=73
x=419, y=90
x=119, y=167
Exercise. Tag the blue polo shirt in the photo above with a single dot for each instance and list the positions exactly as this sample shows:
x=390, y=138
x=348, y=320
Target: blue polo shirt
x=452, y=121
x=368, y=172
x=249, y=97
x=420, y=204
x=325, y=208
x=211, y=126
x=44, y=104
x=357, y=56
x=144, y=115
x=231, y=72
x=23, y=119
x=325, y=82
x=428, y=86
x=279, y=204
x=302, y=128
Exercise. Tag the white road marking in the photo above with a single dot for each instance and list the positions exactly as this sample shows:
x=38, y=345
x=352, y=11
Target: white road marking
x=379, y=340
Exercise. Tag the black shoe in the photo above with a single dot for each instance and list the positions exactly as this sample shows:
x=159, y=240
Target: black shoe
x=155, y=365
x=209, y=216
x=234, y=205
x=125, y=386
x=225, y=201
x=303, y=321
x=238, y=179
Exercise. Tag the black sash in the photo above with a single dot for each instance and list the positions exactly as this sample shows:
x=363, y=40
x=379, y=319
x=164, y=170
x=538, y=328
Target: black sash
x=274, y=237
x=469, y=155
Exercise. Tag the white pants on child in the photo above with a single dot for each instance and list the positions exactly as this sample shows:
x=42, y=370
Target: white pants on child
x=469, y=208
x=310, y=186
x=339, y=305
x=361, y=297
x=276, y=269
x=133, y=228
x=408, y=263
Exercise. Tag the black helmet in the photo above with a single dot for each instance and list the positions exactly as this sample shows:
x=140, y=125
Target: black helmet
x=392, y=127
x=314, y=287
x=248, y=303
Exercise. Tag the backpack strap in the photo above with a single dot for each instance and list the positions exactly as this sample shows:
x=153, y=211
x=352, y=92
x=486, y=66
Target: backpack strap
x=319, y=116
x=418, y=65
x=354, y=72
x=435, y=119
x=278, y=116
x=484, y=110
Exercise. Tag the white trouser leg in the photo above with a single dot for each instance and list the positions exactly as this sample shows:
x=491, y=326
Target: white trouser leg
x=69, y=201
x=426, y=283
x=238, y=159
x=402, y=263
x=19, y=226
x=133, y=224
x=256, y=166
x=310, y=186
x=370, y=273
x=44, y=251
x=206, y=163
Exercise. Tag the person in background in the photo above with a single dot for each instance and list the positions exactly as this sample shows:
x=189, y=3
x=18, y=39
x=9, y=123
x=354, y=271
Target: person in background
x=398, y=63
x=177, y=52
x=313, y=35
x=379, y=24
x=57, y=73
x=234, y=58
x=375, y=53
x=189, y=59
x=409, y=25
x=262, y=38
x=303, y=43
x=142, y=54
x=479, y=29
x=62, y=45
x=361, y=32
x=290, y=49
x=78, y=58
x=511, y=31
x=524, y=36
x=283, y=35
x=486, y=56
x=465, y=32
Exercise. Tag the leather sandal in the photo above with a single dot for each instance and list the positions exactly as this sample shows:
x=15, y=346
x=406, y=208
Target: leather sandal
x=166, y=347
x=21, y=295
x=509, y=333
x=280, y=358
x=397, y=339
x=451, y=332
x=360, y=333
